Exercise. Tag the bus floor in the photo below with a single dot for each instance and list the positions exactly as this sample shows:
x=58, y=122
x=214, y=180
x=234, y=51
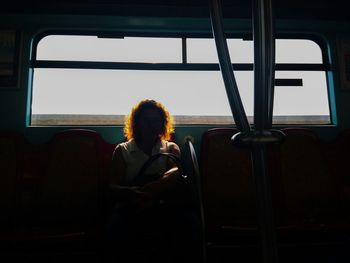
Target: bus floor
x=289, y=253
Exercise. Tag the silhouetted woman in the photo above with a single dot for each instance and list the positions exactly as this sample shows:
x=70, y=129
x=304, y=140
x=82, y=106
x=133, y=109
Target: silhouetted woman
x=139, y=210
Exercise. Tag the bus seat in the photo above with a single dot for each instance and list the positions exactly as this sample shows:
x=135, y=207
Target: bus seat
x=228, y=188
x=341, y=164
x=11, y=164
x=309, y=191
x=71, y=187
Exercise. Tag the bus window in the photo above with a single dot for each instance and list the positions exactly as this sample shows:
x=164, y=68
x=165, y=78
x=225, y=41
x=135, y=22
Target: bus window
x=89, y=80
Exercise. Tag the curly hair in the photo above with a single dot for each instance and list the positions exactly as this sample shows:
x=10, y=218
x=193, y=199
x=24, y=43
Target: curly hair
x=133, y=117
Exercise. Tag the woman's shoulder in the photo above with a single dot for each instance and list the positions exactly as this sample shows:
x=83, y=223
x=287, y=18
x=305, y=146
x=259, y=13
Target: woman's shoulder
x=126, y=146
x=171, y=147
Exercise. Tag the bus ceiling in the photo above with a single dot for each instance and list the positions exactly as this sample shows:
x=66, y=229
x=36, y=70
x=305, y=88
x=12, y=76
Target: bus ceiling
x=284, y=9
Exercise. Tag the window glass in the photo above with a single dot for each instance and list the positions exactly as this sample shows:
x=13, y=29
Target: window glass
x=201, y=50
x=242, y=51
x=196, y=96
x=114, y=92
x=310, y=99
x=92, y=48
x=297, y=51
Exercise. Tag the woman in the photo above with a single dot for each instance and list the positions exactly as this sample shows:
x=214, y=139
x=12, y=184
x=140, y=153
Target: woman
x=148, y=129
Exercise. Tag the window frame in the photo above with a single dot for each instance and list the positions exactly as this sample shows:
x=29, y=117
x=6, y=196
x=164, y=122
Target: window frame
x=184, y=65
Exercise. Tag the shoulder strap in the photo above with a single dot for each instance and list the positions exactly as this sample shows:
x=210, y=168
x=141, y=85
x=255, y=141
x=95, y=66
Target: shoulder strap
x=148, y=163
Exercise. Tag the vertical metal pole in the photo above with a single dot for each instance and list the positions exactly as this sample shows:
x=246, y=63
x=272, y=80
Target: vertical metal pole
x=264, y=205
x=264, y=58
x=264, y=63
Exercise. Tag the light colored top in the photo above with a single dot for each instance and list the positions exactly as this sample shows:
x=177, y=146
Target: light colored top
x=135, y=158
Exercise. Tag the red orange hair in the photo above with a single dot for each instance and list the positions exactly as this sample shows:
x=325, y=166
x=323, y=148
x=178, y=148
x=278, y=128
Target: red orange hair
x=132, y=119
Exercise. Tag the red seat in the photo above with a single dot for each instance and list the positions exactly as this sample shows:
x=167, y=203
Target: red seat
x=71, y=187
x=309, y=191
x=341, y=147
x=228, y=188
x=70, y=197
x=60, y=193
x=11, y=164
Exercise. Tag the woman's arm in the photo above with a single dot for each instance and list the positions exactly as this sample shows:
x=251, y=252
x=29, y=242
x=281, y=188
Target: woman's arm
x=118, y=172
x=169, y=178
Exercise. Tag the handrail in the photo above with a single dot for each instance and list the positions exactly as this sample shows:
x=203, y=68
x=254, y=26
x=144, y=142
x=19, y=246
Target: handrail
x=264, y=60
x=232, y=92
x=197, y=179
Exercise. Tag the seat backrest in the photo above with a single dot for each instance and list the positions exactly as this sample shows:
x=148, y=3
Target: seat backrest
x=11, y=167
x=309, y=191
x=341, y=147
x=71, y=187
x=228, y=187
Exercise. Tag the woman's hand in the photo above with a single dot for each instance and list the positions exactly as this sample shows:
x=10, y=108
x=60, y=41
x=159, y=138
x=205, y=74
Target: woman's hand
x=164, y=184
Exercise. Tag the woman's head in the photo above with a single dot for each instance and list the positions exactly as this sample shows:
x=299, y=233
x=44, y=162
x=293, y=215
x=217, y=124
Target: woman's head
x=148, y=119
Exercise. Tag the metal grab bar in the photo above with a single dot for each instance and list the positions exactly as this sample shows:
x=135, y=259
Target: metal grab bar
x=264, y=63
x=232, y=92
x=264, y=60
x=198, y=184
